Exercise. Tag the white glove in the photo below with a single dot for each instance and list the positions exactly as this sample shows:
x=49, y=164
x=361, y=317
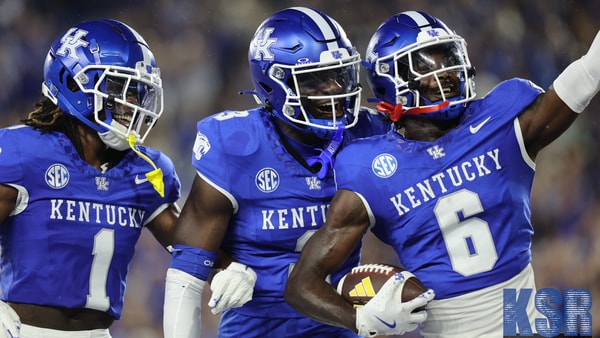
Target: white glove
x=232, y=287
x=385, y=314
x=9, y=321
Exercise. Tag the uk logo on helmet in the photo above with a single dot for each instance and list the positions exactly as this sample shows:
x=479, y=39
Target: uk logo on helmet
x=433, y=33
x=262, y=43
x=71, y=41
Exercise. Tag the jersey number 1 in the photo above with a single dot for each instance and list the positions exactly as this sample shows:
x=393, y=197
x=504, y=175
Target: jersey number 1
x=104, y=247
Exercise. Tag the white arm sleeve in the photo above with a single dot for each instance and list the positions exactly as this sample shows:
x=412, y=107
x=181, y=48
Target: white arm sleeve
x=182, y=308
x=580, y=81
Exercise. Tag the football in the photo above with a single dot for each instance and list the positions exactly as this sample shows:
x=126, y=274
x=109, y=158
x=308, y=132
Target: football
x=364, y=281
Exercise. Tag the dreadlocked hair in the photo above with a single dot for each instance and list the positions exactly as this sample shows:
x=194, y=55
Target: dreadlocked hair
x=48, y=117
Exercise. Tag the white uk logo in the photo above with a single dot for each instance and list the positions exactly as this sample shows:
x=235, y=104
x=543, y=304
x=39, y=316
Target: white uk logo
x=102, y=183
x=262, y=44
x=436, y=152
x=71, y=41
x=313, y=183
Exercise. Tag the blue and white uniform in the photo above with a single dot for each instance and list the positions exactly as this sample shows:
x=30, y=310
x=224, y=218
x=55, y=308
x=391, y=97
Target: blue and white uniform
x=72, y=234
x=278, y=204
x=447, y=207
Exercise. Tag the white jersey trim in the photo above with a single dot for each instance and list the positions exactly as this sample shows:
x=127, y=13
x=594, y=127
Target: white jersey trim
x=227, y=194
x=22, y=199
x=517, y=125
x=368, y=207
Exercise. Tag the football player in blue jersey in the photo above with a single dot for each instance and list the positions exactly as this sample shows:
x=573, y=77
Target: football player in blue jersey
x=449, y=189
x=77, y=187
x=264, y=181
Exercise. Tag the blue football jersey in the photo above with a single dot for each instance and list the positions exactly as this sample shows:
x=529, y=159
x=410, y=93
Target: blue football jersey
x=278, y=203
x=73, y=233
x=456, y=210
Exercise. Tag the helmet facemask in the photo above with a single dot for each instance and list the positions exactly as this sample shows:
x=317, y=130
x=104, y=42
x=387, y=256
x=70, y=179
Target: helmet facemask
x=126, y=101
x=321, y=98
x=433, y=73
x=103, y=73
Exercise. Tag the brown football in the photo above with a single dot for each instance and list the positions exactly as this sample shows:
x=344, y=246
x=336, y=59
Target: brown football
x=364, y=281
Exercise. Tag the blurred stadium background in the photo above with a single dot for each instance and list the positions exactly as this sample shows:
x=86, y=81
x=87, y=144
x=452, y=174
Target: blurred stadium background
x=201, y=48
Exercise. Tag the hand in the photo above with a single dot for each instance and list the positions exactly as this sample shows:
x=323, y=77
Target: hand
x=10, y=324
x=232, y=287
x=384, y=315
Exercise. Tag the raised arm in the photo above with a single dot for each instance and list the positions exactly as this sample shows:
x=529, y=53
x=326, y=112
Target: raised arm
x=553, y=112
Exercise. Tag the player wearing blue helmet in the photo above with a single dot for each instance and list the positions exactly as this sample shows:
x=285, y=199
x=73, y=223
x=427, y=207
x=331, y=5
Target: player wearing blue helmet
x=77, y=187
x=408, y=68
x=448, y=189
x=264, y=182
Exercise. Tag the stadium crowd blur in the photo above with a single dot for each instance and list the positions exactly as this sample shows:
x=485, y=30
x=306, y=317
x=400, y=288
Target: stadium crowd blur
x=201, y=48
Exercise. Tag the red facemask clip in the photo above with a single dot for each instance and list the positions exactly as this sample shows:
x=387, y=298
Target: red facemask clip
x=395, y=112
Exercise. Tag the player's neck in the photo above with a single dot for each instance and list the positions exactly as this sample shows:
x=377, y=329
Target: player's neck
x=425, y=129
x=308, y=139
x=94, y=150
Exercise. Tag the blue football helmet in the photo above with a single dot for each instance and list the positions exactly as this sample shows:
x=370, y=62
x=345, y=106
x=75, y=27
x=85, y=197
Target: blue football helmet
x=295, y=57
x=103, y=73
x=410, y=49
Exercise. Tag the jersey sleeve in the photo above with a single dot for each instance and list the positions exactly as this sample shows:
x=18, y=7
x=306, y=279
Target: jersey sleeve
x=352, y=167
x=224, y=142
x=10, y=163
x=521, y=93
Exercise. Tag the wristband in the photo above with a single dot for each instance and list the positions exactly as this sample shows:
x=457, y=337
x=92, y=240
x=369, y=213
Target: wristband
x=195, y=261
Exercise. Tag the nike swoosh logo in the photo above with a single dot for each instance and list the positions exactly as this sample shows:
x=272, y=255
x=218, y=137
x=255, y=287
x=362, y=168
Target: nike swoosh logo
x=475, y=129
x=140, y=180
x=390, y=325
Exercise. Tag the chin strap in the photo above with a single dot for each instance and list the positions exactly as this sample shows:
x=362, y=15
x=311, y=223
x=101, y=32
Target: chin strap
x=155, y=176
x=326, y=157
x=396, y=112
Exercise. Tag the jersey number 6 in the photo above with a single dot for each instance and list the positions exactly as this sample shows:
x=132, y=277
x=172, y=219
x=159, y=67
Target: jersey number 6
x=469, y=242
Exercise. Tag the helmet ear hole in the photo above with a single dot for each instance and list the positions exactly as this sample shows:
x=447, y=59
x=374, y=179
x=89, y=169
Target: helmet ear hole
x=380, y=91
x=265, y=87
x=71, y=84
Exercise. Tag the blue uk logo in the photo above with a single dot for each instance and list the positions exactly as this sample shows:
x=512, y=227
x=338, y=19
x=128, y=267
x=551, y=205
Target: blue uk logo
x=570, y=313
